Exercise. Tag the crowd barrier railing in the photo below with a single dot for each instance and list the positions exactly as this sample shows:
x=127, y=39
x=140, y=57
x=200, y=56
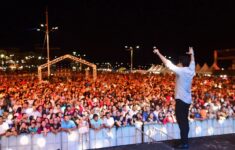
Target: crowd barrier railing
x=73, y=141
x=115, y=136
x=210, y=127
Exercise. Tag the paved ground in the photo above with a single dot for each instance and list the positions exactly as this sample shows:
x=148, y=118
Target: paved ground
x=222, y=142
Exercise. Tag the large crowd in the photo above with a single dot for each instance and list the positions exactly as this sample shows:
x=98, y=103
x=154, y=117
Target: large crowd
x=113, y=100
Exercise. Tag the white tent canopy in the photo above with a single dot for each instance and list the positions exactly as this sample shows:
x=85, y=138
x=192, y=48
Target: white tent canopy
x=198, y=68
x=205, y=69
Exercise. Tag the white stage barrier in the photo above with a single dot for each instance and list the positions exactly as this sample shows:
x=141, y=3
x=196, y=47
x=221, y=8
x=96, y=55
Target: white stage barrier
x=160, y=132
x=73, y=141
x=102, y=138
x=114, y=137
x=62, y=140
x=128, y=135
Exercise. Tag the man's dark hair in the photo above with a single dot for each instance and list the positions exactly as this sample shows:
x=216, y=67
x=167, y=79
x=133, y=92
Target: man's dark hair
x=184, y=60
x=95, y=115
x=66, y=115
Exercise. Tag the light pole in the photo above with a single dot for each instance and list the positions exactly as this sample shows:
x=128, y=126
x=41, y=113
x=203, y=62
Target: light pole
x=131, y=49
x=48, y=48
x=47, y=31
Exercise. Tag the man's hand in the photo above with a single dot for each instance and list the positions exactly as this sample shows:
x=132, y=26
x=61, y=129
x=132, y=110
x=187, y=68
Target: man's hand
x=164, y=59
x=190, y=51
x=155, y=51
x=69, y=131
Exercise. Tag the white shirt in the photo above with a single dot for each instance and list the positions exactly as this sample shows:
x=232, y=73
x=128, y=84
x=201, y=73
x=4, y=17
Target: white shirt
x=35, y=114
x=4, y=127
x=184, y=77
x=29, y=111
x=109, y=122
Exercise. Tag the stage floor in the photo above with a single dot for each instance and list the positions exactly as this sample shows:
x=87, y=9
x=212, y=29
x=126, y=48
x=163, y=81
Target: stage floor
x=221, y=142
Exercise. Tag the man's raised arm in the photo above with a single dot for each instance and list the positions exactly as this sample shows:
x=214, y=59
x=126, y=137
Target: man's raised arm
x=191, y=52
x=192, y=61
x=167, y=62
x=164, y=59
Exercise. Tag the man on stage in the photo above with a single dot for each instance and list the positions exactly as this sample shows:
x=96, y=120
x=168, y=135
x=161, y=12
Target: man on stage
x=183, y=96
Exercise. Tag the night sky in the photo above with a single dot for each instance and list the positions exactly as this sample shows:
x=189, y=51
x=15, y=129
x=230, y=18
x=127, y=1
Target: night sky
x=101, y=28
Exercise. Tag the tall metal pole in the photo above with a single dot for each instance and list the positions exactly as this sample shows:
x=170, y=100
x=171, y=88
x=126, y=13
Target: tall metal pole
x=131, y=49
x=48, y=48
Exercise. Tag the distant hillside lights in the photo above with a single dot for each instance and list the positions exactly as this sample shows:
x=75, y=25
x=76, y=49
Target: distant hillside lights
x=18, y=62
x=78, y=55
x=30, y=62
x=107, y=66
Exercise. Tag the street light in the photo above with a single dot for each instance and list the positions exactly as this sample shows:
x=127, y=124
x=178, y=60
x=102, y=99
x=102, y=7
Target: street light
x=131, y=49
x=2, y=56
x=41, y=29
x=54, y=28
x=46, y=26
x=48, y=50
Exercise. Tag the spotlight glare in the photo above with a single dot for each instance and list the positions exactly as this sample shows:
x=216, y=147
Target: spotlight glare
x=72, y=136
x=24, y=140
x=210, y=131
x=41, y=142
x=198, y=130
